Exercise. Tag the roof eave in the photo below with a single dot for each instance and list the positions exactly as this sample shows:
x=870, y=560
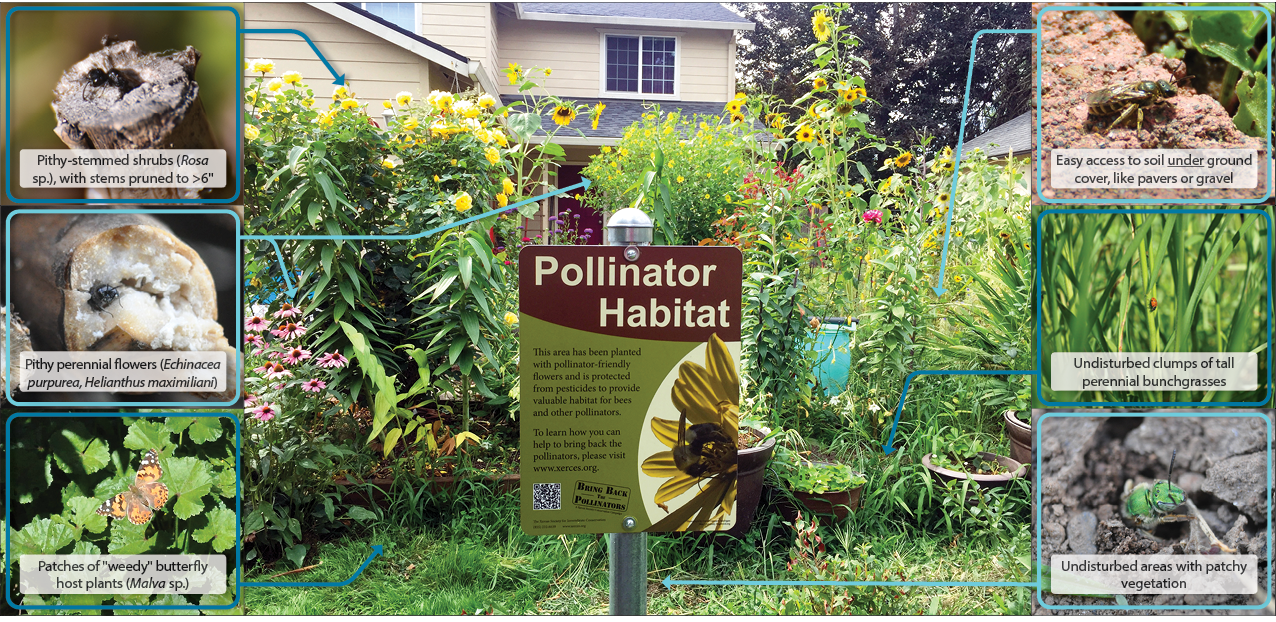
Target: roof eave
x=416, y=47
x=609, y=20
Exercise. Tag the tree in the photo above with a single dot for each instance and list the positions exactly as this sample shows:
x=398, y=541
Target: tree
x=916, y=58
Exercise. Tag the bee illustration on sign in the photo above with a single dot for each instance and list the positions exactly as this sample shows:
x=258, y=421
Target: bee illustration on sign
x=1148, y=505
x=143, y=497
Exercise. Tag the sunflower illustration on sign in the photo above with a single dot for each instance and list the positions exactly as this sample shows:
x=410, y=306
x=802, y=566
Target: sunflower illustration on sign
x=702, y=444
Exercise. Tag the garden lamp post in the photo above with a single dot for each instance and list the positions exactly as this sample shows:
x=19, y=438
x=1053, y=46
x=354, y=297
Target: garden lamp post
x=627, y=552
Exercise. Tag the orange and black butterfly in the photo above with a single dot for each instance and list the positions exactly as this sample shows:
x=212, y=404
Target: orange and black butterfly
x=146, y=495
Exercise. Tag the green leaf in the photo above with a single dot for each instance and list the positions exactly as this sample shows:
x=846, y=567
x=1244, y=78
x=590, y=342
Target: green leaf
x=82, y=512
x=220, y=529
x=360, y=514
x=226, y=482
x=144, y=435
x=296, y=554
x=312, y=212
x=130, y=539
x=524, y=124
x=465, y=265
x=170, y=600
x=553, y=150
x=177, y=425
x=206, y=429
x=189, y=480
x=41, y=536
x=391, y=439
x=76, y=450
x=1222, y=34
x=1251, y=116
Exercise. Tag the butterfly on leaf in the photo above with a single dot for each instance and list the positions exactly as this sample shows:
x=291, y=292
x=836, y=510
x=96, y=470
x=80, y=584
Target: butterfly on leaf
x=146, y=495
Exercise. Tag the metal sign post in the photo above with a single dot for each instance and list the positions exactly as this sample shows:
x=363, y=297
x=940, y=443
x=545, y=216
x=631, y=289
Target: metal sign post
x=627, y=552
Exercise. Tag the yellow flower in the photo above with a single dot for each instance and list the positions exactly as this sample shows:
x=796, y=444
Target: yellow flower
x=548, y=71
x=624, y=153
x=776, y=120
x=403, y=98
x=500, y=139
x=502, y=200
x=340, y=93
x=563, y=115
x=708, y=399
x=466, y=109
x=885, y=186
x=440, y=100
x=734, y=106
x=387, y=104
x=704, y=126
x=903, y=159
x=507, y=186
x=410, y=124
x=308, y=102
x=462, y=202
x=292, y=77
x=681, y=179
x=436, y=179
x=510, y=318
x=943, y=197
x=251, y=132
x=262, y=65
x=274, y=85
x=487, y=101
x=251, y=96
x=596, y=114
x=819, y=84
x=493, y=156
x=387, y=163
x=736, y=117
x=821, y=24
x=348, y=104
x=606, y=149
x=805, y=134
x=514, y=73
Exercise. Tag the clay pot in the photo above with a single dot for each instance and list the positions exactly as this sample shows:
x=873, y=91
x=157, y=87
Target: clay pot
x=839, y=504
x=1020, y=435
x=984, y=481
x=748, y=493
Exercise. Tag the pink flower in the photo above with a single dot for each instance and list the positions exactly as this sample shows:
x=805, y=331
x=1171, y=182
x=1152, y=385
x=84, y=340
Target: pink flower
x=289, y=330
x=254, y=339
x=874, y=216
x=332, y=360
x=287, y=310
x=263, y=370
x=256, y=324
x=296, y=355
x=314, y=385
x=265, y=412
x=250, y=400
x=277, y=371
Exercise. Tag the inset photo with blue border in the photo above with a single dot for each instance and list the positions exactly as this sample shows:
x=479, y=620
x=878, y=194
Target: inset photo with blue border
x=147, y=483
x=1143, y=105
x=1141, y=307
x=121, y=77
x=132, y=307
x=1153, y=483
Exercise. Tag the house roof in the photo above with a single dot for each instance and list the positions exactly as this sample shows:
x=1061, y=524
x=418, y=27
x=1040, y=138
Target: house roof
x=666, y=14
x=1013, y=135
x=619, y=114
x=352, y=14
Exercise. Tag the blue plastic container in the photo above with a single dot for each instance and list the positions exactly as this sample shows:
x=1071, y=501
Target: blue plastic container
x=833, y=356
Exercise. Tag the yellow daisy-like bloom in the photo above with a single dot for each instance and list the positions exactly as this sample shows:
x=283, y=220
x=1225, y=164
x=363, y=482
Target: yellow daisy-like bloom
x=903, y=159
x=292, y=77
x=707, y=396
x=885, y=186
x=822, y=25
x=514, y=72
x=563, y=115
x=261, y=65
x=510, y=318
x=493, y=156
x=548, y=71
x=735, y=105
x=854, y=95
x=819, y=84
x=274, y=85
x=387, y=163
x=596, y=114
x=606, y=149
x=403, y=98
x=776, y=120
x=349, y=104
x=681, y=179
x=507, y=186
x=502, y=200
x=805, y=134
x=251, y=132
x=462, y=202
x=736, y=117
x=943, y=199
x=487, y=101
x=844, y=107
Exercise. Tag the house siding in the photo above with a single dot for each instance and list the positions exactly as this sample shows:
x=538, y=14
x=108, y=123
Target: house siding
x=468, y=28
x=376, y=68
x=706, y=67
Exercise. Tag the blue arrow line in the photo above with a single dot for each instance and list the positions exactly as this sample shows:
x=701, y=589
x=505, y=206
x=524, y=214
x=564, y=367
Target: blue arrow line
x=899, y=410
x=292, y=291
x=961, y=137
x=340, y=78
x=279, y=254
x=669, y=581
x=376, y=550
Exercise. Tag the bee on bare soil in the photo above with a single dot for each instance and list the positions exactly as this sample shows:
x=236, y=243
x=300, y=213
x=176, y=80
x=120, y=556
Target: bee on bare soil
x=102, y=296
x=1127, y=100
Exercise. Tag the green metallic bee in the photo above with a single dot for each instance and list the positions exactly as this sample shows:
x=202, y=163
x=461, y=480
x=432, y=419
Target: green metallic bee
x=1146, y=506
x=1129, y=99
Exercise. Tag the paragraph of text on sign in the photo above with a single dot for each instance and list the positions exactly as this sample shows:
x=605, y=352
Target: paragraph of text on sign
x=1154, y=168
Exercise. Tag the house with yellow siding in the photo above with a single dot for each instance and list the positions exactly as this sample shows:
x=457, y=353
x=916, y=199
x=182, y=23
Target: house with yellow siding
x=625, y=55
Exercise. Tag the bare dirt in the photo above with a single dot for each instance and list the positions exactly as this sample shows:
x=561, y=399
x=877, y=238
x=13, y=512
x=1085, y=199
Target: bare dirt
x=1085, y=51
x=1085, y=462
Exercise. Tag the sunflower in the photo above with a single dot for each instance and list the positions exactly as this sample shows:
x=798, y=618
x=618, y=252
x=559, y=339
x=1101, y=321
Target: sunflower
x=805, y=134
x=708, y=394
x=596, y=114
x=819, y=84
x=776, y=120
x=943, y=199
x=822, y=25
x=735, y=105
x=735, y=116
x=844, y=107
x=563, y=115
x=903, y=159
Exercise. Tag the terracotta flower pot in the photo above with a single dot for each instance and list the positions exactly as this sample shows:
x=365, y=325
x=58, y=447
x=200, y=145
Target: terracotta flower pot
x=1020, y=434
x=836, y=503
x=748, y=492
x=986, y=481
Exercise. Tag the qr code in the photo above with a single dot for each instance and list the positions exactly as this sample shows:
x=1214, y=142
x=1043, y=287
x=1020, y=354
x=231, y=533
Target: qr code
x=547, y=496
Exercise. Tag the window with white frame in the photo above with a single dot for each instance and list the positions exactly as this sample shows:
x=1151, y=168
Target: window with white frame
x=401, y=14
x=640, y=64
